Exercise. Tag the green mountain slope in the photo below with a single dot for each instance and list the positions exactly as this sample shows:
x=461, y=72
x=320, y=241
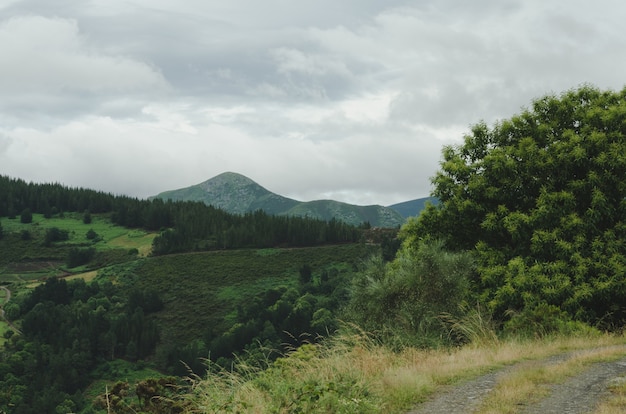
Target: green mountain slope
x=233, y=193
x=236, y=193
x=377, y=216
x=413, y=208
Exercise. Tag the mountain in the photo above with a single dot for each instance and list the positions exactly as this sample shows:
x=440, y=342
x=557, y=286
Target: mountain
x=413, y=207
x=236, y=193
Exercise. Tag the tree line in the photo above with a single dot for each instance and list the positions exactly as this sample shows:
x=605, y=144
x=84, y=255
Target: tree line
x=183, y=226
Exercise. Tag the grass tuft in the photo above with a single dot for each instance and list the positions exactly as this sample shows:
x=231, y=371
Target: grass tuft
x=475, y=326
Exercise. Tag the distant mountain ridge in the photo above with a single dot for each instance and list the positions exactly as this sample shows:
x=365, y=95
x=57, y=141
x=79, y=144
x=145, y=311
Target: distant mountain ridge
x=236, y=193
x=413, y=208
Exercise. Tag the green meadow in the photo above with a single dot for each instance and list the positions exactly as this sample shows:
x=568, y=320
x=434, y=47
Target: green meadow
x=110, y=236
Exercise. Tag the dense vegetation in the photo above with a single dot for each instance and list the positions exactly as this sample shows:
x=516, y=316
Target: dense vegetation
x=540, y=201
x=255, y=303
x=67, y=329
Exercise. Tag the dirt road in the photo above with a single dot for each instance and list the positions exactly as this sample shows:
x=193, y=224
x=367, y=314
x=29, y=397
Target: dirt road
x=580, y=393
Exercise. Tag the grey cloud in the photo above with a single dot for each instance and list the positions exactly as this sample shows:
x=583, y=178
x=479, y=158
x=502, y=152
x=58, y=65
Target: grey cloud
x=354, y=98
x=50, y=69
x=5, y=143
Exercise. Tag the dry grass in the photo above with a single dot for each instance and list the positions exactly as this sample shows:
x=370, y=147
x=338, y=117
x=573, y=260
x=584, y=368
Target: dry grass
x=529, y=382
x=352, y=374
x=616, y=404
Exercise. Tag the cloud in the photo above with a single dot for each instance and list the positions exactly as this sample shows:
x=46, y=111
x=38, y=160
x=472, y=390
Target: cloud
x=5, y=143
x=295, y=61
x=49, y=67
x=350, y=99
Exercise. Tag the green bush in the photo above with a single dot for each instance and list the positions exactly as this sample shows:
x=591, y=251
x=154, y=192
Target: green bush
x=545, y=320
x=540, y=199
x=54, y=234
x=404, y=300
x=26, y=217
x=77, y=256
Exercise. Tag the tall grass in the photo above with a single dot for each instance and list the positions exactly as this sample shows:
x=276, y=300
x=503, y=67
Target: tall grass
x=474, y=326
x=352, y=373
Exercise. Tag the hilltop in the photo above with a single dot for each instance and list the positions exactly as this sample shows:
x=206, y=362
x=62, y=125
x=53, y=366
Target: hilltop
x=235, y=193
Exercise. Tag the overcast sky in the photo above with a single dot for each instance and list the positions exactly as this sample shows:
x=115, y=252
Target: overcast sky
x=351, y=100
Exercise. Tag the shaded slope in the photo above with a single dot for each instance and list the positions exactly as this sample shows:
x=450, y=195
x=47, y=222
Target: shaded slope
x=413, y=208
x=328, y=209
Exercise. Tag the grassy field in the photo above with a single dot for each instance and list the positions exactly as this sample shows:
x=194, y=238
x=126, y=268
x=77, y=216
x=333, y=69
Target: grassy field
x=3, y=326
x=111, y=235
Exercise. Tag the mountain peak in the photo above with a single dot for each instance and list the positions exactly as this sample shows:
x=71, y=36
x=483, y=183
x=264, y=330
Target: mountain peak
x=229, y=177
x=230, y=182
x=232, y=192
x=239, y=194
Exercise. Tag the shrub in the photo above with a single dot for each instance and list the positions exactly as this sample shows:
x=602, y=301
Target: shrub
x=78, y=256
x=55, y=234
x=91, y=234
x=545, y=320
x=87, y=217
x=26, y=216
x=405, y=298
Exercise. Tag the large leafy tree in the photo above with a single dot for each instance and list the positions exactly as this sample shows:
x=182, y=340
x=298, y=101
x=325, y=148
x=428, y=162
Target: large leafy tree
x=541, y=199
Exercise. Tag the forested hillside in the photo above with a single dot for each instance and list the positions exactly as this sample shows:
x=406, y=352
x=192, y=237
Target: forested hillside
x=413, y=208
x=86, y=305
